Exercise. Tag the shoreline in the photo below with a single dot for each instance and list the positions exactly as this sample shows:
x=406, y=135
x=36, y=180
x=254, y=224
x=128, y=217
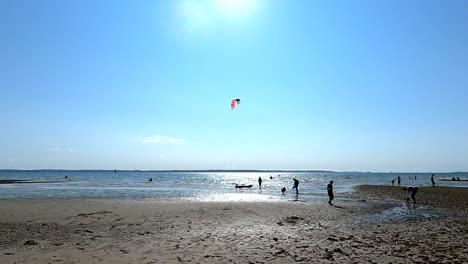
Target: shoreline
x=363, y=226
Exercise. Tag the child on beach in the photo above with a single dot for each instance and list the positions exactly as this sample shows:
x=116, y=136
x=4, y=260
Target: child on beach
x=410, y=193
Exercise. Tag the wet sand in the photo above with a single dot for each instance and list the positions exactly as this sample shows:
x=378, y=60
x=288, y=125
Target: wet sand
x=442, y=197
x=370, y=225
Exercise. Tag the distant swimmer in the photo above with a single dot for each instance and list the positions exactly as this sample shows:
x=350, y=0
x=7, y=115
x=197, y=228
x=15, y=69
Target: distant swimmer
x=115, y=171
x=432, y=180
x=66, y=177
x=271, y=177
x=150, y=180
x=330, y=192
x=283, y=190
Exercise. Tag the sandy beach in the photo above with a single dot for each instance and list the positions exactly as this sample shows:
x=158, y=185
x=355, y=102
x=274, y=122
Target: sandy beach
x=370, y=225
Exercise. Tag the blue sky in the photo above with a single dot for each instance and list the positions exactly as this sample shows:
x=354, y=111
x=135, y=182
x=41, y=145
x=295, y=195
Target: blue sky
x=338, y=85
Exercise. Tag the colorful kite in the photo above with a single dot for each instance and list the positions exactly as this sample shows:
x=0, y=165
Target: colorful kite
x=233, y=103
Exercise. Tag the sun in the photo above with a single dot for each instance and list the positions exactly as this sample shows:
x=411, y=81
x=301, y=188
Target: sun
x=207, y=15
x=233, y=8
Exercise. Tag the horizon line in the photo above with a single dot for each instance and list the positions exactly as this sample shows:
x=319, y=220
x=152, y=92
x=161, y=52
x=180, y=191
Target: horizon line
x=234, y=170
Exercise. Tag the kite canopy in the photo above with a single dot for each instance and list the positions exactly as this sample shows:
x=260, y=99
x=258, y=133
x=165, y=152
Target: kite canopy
x=233, y=103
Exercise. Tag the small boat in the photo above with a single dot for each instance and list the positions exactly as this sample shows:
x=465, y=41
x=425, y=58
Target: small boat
x=243, y=186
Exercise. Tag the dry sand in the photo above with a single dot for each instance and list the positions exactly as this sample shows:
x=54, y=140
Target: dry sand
x=367, y=226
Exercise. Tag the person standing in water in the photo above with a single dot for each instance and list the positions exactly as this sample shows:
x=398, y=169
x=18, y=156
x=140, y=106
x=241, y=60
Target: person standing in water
x=432, y=180
x=330, y=192
x=259, y=182
x=296, y=185
x=398, y=180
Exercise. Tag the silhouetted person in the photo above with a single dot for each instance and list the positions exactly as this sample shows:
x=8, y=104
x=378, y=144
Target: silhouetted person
x=398, y=180
x=259, y=182
x=432, y=180
x=66, y=177
x=410, y=193
x=150, y=180
x=458, y=178
x=330, y=192
x=453, y=178
x=296, y=185
x=283, y=190
x=393, y=182
x=271, y=177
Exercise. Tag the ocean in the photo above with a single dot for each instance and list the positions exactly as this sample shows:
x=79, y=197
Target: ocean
x=199, y=185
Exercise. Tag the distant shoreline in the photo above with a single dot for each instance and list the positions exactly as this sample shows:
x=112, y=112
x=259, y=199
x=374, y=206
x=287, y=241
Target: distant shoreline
x=219, y=170
x=64, y=170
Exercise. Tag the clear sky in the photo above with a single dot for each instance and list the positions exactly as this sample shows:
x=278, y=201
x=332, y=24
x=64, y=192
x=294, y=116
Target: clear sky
x=340, y=85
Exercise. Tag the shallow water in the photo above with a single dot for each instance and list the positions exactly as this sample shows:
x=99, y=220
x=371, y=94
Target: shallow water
x=202, y=186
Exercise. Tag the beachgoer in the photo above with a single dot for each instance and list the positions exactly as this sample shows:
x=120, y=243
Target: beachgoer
x=411, y=193
x=432, y=180
x=259, y=182
x=271, y=177
x=151, y=179
x=283, y=190
x=66, y=177
x=296, y=185
x=393, y=182
x=330, y=192
x=398, y=180
x=458, y=178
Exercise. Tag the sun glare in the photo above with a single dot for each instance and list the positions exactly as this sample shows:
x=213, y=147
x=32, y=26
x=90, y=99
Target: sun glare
x=206, y=14
x=233, y=8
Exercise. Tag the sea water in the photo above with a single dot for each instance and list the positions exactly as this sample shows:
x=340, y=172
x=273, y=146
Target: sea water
x=197, y=185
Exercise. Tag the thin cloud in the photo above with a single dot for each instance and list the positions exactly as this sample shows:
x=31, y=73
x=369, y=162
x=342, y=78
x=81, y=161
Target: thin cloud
x=60, y=150
x=161, y=140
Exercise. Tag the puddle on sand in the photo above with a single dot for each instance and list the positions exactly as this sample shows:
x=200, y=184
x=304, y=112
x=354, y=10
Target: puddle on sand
x=404, y=212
